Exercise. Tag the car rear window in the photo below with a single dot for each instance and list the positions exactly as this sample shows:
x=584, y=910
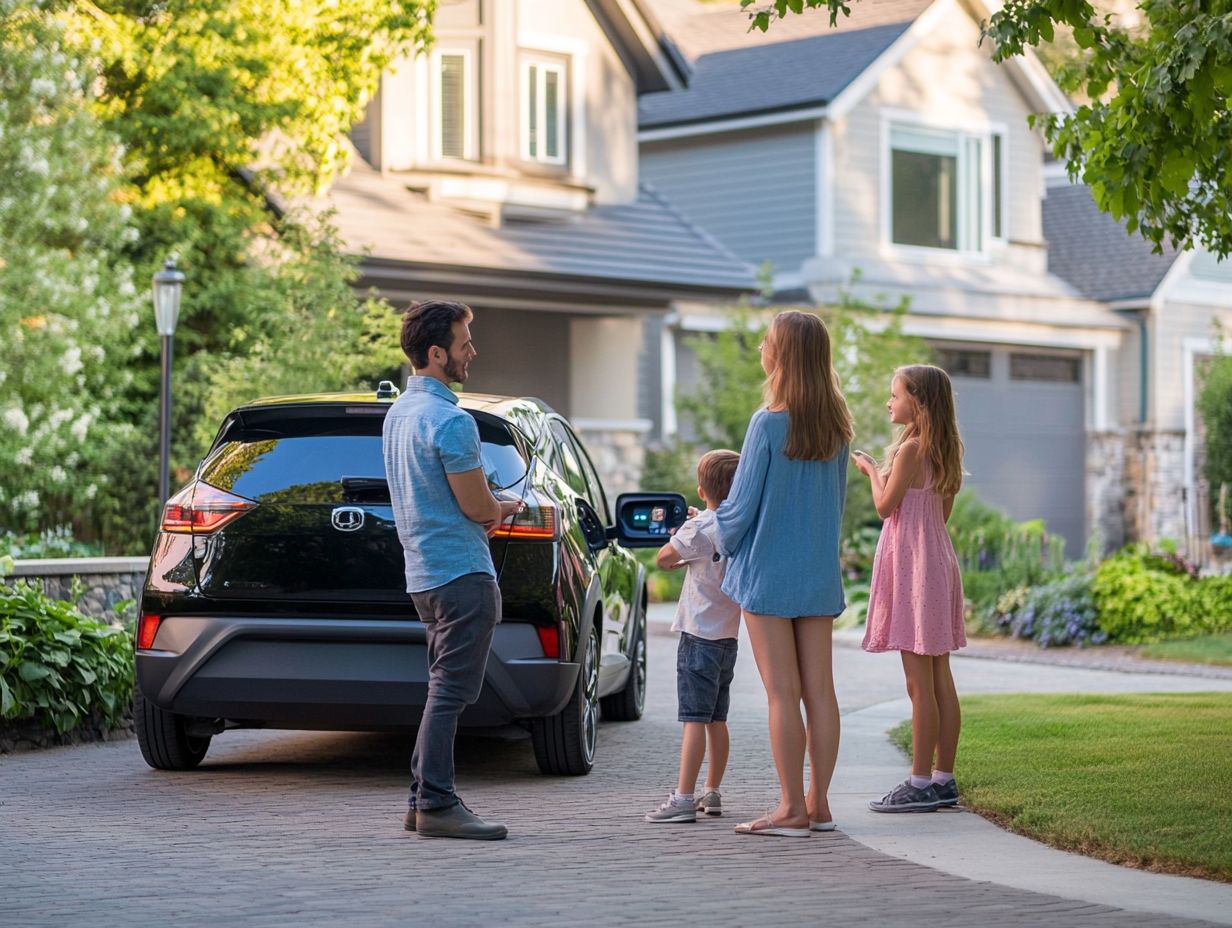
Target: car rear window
x=339, y=460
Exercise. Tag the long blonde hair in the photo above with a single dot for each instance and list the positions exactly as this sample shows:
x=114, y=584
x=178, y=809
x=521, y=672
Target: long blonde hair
x=805, y=384
x=935, y=426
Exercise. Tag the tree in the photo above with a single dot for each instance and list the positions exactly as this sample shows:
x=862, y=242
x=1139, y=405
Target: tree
x=1154, y=143
x=68, y=304
x=231, y=116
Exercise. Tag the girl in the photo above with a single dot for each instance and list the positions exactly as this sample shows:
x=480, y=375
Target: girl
x=779, y=528
x=915, y=602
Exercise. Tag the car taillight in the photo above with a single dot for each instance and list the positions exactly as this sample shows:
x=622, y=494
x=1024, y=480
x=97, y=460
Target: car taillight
x=147, y=630
x=537, y=521
x=549, y=637
x=199, y=509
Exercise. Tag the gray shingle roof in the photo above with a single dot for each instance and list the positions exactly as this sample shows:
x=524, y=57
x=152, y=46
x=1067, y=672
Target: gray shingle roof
x=644, y=242
x=1092, y=251
x=801, y=61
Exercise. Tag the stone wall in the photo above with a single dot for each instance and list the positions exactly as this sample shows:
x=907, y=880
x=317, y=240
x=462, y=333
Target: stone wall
x=106, y=580
x=1106, y=491
x=618, y=453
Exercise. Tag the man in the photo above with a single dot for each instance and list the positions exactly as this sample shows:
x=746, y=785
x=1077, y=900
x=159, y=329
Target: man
x=444, y=512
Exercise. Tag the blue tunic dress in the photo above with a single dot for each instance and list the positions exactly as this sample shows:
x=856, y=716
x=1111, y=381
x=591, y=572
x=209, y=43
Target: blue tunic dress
x=780, y=526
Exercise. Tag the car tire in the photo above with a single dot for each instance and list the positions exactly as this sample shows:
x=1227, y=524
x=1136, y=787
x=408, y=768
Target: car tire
x=565, y=742
x=163, y=736
x=629, y=704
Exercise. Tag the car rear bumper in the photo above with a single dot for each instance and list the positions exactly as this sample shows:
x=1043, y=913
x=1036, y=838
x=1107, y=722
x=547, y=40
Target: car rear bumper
x=325, y=673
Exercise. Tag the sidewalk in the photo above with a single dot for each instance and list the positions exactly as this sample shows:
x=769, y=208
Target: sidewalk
x=964, y=844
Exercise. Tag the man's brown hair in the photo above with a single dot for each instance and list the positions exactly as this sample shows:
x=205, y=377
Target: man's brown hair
x=715, y=472
x=429, y=324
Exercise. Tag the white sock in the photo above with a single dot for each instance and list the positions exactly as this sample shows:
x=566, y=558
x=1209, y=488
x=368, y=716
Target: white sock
x=942, y=776
x=920, y=782
x=681, y=798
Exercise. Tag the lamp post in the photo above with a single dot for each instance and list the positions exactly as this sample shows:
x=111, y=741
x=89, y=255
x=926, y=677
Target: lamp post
x=167, y=285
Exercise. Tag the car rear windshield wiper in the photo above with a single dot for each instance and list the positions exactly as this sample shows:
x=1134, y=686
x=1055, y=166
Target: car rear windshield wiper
x=365, y=489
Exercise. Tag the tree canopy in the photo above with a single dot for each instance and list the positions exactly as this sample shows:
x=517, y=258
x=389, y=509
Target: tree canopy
x=1154, y=143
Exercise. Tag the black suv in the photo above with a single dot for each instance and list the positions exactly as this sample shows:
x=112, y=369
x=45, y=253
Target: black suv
x=276, y=594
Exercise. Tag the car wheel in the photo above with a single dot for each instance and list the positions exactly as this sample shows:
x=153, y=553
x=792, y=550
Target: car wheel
x=163, y=736
x=628, y=704
x=565, y=743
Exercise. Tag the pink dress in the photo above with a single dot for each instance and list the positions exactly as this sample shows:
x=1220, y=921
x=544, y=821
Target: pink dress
x=915, y=600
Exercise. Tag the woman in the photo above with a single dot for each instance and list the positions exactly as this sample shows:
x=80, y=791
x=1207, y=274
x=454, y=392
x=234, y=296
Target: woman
x=780, y=529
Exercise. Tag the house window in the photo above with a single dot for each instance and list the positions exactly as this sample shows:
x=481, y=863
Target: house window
x=454, y=133
x=1048, y=367
x=998, y=186
x=964, y=362
x=543, y=111
x=946, y=188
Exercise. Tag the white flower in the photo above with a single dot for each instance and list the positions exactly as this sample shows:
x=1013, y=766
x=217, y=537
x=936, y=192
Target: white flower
x=72, y=361
x=41, y=87
x=60, y=416
x=27, y=500
x=15, y=419
x=91, y=491
x=40, y=166
x=131, y=235
x=57, y=474
x=24, y=456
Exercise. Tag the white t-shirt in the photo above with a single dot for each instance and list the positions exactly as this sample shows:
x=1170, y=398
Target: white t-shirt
x=704, y=610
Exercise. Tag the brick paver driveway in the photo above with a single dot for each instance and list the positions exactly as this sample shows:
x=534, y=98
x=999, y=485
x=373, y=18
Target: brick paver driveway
x=285, y=828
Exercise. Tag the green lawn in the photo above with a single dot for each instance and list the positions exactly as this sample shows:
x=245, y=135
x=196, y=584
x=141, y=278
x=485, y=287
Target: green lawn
x=1144, y=780
x=1209, y=649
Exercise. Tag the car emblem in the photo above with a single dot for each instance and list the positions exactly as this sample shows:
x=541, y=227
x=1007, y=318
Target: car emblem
x=348, y=519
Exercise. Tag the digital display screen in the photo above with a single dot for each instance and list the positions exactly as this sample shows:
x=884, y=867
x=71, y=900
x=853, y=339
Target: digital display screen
x=651, y=519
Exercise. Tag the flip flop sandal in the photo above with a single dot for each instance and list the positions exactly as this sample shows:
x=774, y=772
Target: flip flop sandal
x=766, y=826
x=822, y=826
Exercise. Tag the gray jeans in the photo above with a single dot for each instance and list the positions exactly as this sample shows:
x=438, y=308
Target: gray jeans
x=459, y=619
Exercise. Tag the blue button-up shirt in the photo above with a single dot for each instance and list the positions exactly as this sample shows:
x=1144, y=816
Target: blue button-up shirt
x=425, y=437
x=781, y=524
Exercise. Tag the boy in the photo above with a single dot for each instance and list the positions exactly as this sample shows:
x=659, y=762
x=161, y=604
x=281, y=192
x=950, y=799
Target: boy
x=708, y=623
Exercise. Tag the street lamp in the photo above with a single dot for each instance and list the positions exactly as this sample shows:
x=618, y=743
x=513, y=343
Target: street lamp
x=167, y=284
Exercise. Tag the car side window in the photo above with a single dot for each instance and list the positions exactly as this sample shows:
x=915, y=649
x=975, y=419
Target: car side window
x=597, y=497
x=570, y=466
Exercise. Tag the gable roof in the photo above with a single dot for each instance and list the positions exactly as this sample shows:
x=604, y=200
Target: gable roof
x=1094, y=254
x=800, y=62
x=644, y=250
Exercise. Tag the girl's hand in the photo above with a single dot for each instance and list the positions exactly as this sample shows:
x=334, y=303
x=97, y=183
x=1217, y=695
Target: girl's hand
x=864, y=462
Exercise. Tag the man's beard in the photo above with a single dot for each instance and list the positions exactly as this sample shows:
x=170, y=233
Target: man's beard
x=455, y=370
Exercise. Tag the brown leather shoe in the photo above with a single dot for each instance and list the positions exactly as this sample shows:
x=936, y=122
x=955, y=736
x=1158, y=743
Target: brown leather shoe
x=409, y=822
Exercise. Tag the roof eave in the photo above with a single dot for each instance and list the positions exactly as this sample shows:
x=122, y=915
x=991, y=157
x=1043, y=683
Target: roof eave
x=648, y=53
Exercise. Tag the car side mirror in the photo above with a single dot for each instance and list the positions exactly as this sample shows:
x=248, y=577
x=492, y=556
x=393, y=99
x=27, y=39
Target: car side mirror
x=646, y=520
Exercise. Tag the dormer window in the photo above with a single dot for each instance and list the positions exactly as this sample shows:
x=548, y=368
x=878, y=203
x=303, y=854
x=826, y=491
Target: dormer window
x=946, y=188
x=544, y=109
x=453, y=98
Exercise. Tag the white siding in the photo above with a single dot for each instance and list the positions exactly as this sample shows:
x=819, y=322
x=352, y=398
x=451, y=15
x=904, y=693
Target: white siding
x=755, y=191
x=1177, y=323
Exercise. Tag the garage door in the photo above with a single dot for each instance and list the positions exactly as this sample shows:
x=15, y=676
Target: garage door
x=1021, y=411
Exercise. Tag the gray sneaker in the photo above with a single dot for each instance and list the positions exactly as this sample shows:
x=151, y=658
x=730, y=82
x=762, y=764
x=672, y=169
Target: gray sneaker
x=711, y=803
x=907, y=798
x=456, y=821
x=947, y=792
x=671, y=811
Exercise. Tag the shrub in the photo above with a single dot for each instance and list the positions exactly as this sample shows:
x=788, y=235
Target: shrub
x=58, y=666
x=1144, y=596
x=1058, y=613
x=52, y=542
x=997, y=554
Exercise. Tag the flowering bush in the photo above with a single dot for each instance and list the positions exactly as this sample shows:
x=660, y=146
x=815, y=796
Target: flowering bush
x=52, y=542
x=1144, y=596
x=1059, y=613
x=68, y=304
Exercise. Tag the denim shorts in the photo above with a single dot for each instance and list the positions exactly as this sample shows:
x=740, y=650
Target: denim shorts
x=704, y=671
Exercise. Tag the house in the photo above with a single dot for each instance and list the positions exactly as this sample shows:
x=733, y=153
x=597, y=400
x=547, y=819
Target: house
x=893, y=144
x=500, y=169
x=1145, y=472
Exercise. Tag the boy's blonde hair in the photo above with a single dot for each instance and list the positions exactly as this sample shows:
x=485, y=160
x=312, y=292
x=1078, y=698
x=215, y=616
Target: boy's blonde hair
x=715, y=472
